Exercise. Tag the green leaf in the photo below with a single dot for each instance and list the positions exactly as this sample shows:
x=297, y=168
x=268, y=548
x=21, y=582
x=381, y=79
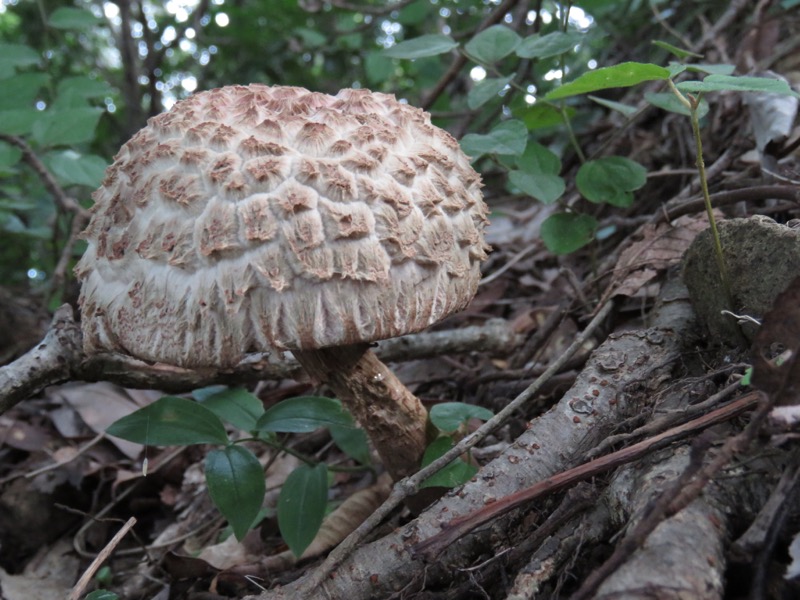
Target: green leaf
x=449, y=416
x=486, y=90
x=622, y=75
x=563, y=233
x=15, y=55
x=538, y=159
x=414, y=13
x=509, y=137
x=84, y=87
x=625, y=109
x=67, y=126
x=301, y=506
x=551, y=44
x=72, y=168
x=425, y=45
x=9, y=155
x=669, y=101
x=492, y=44
x=610, y=179
x=542, y=115
x=171, y=421
x=679, y=52
x=545, y=187
x=236, y=485
x=712, y=69
x=456, y=473
x=352, y=441
x=377, y=67
x=18, y=121
x=72, y=18
x=101, y=595
x=311, y=37
x=21, y=90
x=304, y=414
x=236, y=406
x=719, y=83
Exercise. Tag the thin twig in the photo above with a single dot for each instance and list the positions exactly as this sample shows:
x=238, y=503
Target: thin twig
x=77, y=591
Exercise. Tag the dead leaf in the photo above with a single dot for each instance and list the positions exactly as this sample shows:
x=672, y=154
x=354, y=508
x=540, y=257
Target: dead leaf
x=99, y=405
x=659, y=247
x=23, y=436
x=776, y=369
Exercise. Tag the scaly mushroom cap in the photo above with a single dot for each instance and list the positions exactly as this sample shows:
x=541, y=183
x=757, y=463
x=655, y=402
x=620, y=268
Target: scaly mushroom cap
x=253, y=218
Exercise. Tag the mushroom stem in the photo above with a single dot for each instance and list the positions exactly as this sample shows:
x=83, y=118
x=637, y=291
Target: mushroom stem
x=393, y=417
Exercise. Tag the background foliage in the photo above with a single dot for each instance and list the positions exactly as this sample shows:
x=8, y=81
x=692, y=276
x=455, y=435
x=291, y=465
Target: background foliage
x=80, y=77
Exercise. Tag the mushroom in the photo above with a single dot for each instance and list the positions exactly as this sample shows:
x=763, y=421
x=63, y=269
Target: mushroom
x=254, y=219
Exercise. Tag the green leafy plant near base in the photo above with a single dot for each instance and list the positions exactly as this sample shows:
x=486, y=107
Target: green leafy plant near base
x=235, y=477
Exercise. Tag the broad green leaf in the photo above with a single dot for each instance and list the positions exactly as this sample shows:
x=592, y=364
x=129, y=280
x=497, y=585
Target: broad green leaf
x=539, y=159
x=15, y=55
x=668, y=101
x=486, y=90
x=622, y=75
x=414, y=13
x=9, y=155
x=449, y=416
x=18, y=121
x=719, y=83
x=456, y=473
x=563, y=233
x=84, y=87
x=236, y=406
x=236, y=485
x=304, y=414
x=492, y=44
x=352, y=441
x=171, y=421
x=301, y=506
x=425, y=45
x=625, y=109
x=679, y=52
x=551, y=44
x=67, y=17
x=21, y=90
x=610, y=179
x=509, y=137
x=542, y=115
x=67, y=126
x=72, y=168
x=545, y=187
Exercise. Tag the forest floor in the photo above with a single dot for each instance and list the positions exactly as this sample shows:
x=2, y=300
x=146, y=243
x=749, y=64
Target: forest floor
x=722, y=501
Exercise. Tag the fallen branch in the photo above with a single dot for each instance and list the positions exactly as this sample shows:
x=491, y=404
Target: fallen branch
x=59, y=358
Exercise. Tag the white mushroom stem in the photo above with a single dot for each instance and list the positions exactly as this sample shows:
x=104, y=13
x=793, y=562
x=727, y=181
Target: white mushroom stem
x=393, y=417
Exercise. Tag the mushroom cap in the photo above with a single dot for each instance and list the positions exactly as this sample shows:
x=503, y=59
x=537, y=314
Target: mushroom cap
x=254, y=218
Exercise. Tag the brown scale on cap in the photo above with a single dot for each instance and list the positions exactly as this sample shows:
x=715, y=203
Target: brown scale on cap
x=255, y=218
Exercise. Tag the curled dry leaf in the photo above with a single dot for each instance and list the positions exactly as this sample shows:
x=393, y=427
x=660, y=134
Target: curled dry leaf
x=659, y=247
x=776, y=369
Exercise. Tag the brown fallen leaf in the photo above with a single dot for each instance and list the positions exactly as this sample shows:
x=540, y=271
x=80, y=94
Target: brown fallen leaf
x=776, y=368
x=659, y=247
